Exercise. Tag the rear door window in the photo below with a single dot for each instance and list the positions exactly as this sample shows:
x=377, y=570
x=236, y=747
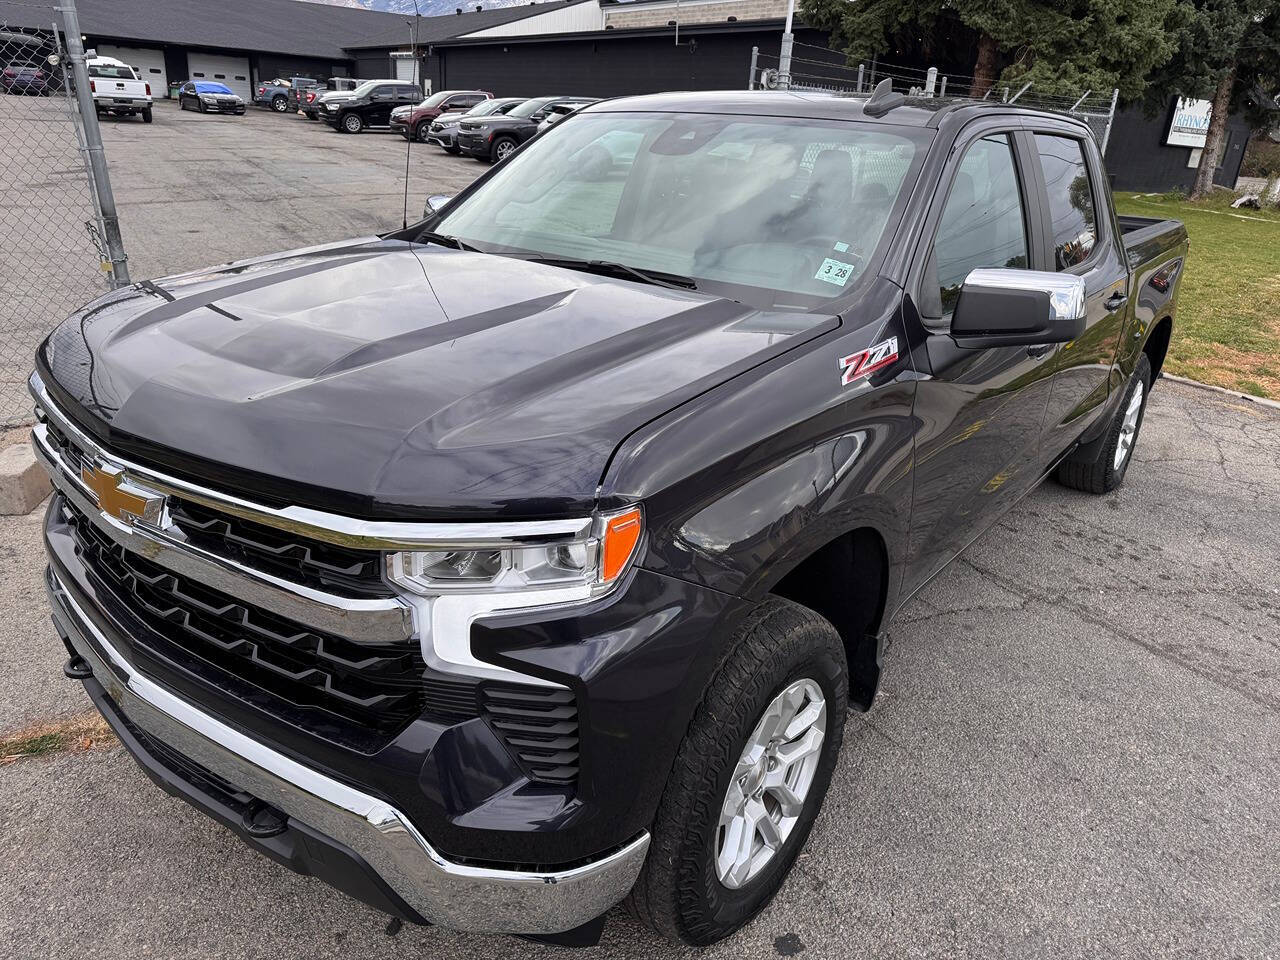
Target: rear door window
x=1072, y=212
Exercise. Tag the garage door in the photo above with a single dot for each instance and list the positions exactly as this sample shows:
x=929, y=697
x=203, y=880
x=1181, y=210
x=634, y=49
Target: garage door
x=233, y=71
x=406, y=69
x=148, y=61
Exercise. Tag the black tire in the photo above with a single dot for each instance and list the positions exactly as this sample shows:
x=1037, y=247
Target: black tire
x=679, y=893
x=280, y=104
x=351, y=123
x=1102, y=474
x=200, y=108
x=453, y=150
x=422, y=131
x=146, y=115
x=502, y=147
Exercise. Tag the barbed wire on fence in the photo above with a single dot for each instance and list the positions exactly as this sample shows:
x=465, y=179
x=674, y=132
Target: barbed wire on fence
x=815, y=68
x=50, y=254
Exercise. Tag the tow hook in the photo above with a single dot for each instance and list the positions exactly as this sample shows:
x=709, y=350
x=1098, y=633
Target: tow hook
x=77, y=668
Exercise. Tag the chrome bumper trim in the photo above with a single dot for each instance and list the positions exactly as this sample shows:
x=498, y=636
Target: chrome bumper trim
x=318, y=524
x=458, y=896
x=363, y=620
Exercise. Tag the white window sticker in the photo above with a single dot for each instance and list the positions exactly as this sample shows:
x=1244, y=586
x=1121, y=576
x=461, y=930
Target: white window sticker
x=842, y=247
x=834, y=271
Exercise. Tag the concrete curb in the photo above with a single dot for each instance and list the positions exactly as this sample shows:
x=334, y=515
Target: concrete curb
x=1234, y=394
x=23, y=482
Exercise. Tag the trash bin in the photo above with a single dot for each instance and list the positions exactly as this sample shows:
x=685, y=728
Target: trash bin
x=173, y=90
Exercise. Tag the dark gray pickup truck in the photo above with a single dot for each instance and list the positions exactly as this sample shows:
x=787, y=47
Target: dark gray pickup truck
x=529, y=558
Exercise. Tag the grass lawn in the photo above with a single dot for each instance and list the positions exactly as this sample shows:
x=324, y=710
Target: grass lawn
x=1227, y=330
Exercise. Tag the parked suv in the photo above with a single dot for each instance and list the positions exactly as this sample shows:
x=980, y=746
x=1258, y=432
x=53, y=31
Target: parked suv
x=369, y=105
x=444, y=129
x=413, y=122
x=334, y=85
x=532, y=555
x=492, y=138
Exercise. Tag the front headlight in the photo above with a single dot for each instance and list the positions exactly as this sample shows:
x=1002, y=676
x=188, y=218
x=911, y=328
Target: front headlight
x=451, y=586
x=593, y=562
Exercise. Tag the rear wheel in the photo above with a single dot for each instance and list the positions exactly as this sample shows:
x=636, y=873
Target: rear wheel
x=503, y=147
x=352, y=123
x=146, y=115
x=1106, y=470
x=279, y=104
x=749, y=778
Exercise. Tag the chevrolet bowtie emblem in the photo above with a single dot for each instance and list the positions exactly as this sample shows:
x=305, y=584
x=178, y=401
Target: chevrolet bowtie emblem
x=118, y=498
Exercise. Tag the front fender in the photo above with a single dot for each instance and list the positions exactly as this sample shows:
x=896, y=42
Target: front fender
x=743, y=483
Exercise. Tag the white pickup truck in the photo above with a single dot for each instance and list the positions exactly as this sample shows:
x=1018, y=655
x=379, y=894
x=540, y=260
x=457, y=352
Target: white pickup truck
x=117, y=88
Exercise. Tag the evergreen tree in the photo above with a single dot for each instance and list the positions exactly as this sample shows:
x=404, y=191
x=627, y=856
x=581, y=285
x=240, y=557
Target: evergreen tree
x=1229, y=53
x=1063, y=47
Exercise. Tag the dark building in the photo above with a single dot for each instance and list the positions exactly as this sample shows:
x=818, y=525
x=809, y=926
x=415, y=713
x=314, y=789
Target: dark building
x=1138, y=158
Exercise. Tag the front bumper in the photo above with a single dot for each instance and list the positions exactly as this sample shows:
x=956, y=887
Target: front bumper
x=456, y=895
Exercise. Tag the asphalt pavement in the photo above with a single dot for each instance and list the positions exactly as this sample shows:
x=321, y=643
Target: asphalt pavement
x=1075, y=753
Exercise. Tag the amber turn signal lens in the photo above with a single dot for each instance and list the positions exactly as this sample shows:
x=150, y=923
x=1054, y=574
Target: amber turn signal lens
x=621, y=534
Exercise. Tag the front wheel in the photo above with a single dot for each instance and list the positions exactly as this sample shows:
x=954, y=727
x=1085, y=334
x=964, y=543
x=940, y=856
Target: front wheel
x=421, y=132
x=1106, y=470
x=749, y=778
x=453, y=150
x=352, y=123
x=503, y=147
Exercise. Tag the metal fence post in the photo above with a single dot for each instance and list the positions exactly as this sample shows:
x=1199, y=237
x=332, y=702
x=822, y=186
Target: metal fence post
x=1111, y=115
x=751, y=77
x=93, y=145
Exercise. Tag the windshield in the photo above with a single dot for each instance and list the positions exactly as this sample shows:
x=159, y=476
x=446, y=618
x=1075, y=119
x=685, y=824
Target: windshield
x=771, y=211
x=212, y=88
x=529, y=107
x=435, y=99
x=110, y=72
x=486, y=107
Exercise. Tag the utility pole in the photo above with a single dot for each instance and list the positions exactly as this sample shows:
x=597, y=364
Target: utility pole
x=784, y=55
x=93, y=146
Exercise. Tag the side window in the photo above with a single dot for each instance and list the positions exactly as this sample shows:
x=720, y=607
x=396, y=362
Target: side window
x=1071, y=207
x=983, y=223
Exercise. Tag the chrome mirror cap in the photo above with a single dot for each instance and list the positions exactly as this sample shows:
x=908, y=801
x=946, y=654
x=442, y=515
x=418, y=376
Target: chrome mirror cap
x=1066, y=291
x=436, y=203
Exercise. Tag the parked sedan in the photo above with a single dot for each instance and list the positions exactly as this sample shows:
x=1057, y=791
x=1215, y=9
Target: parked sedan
x=207, y=96
x=24, y=78
x=559, y=111
x=413, y=122
x=443, y=131
x=494, y=138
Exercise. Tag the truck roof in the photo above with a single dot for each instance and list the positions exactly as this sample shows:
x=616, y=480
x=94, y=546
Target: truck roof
x=914, y=111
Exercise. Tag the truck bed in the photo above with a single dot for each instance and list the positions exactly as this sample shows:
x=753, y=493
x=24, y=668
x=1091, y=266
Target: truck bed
x=1149, y=238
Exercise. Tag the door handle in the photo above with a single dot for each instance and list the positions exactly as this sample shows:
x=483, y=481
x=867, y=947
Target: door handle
x=1116, y=300
x=1039, y=350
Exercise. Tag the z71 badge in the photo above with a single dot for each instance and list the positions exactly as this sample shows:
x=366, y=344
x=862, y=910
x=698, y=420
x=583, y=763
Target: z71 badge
x=866, y=362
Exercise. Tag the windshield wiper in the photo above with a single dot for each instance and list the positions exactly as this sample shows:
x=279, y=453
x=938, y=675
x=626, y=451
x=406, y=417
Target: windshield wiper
x=444, y=240
x=606, y=268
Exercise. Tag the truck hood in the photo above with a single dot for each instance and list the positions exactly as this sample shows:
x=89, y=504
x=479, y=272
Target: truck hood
x=390, y=379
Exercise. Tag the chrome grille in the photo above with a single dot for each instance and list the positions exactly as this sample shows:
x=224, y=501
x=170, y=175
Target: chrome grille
x=376, y=687
x=339, y=570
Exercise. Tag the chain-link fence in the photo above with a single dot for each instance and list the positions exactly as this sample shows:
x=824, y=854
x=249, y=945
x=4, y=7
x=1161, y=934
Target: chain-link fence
x=821, y=69
x=50, y=249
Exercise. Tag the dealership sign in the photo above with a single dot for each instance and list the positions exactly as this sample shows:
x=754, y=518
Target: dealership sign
x=1190, y=123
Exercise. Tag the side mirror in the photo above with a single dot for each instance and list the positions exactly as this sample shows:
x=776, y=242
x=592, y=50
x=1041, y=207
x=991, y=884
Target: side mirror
x=436, y=203
x=1001, y=308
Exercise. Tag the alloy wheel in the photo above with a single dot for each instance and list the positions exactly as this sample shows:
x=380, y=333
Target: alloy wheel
x=770, y=783
x=1128, y=427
